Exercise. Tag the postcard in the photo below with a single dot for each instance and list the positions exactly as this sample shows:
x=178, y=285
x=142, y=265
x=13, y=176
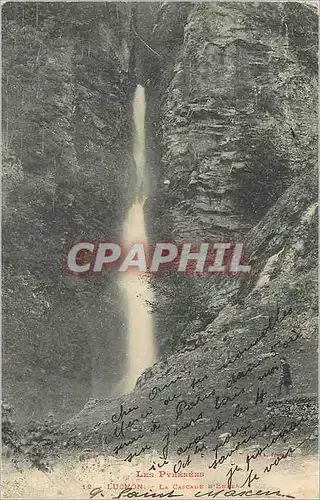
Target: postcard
x=159, y=249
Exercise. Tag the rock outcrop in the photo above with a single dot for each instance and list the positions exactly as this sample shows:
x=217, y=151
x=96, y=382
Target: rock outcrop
x=232, y=113
x=238, y=118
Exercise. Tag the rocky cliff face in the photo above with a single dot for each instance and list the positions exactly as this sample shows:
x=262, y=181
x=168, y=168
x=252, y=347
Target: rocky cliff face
x=237, y=123
x=67, y=91
x=234, y=106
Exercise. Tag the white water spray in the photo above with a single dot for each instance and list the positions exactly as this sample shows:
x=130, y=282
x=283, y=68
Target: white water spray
x=141, y=343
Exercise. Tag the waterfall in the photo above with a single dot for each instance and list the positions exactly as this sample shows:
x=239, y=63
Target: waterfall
x=141, y=349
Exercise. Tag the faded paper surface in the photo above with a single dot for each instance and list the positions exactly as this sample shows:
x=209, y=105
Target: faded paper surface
x=132, y=125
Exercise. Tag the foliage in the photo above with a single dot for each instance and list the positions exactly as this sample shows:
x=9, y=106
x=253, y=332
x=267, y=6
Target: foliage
x=37, y=443
x=180, y=300
x=9, y=431
x=40, y=443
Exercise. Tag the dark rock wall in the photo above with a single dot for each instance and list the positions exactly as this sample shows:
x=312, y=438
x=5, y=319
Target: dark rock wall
x=232, y=109
x=67, y=91
x=238, y=118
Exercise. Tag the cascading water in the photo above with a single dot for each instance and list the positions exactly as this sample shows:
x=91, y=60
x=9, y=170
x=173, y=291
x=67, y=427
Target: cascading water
x=140, y=338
